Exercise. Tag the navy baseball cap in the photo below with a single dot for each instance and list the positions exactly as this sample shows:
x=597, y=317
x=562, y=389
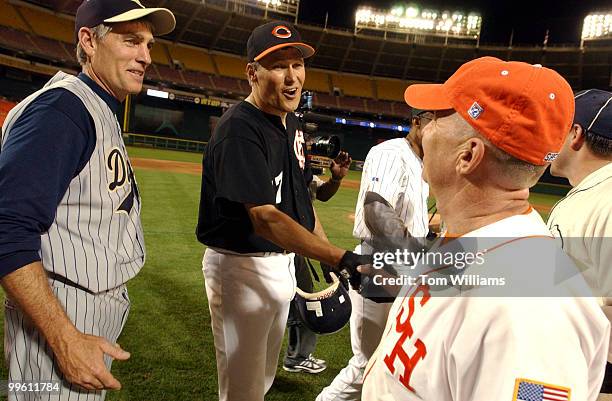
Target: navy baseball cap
x=273, y=36
x=92, y=13
x=594, y=112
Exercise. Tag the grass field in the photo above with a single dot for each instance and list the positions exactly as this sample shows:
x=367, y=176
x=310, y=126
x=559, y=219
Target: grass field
x=168, y=331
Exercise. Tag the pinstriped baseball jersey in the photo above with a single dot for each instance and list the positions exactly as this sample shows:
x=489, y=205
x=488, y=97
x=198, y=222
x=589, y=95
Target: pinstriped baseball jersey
x=393, y=171
x=96, y=238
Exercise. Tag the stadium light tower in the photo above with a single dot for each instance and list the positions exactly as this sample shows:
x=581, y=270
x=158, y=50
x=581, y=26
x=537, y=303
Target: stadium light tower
x=421, y=21
x=597, y=26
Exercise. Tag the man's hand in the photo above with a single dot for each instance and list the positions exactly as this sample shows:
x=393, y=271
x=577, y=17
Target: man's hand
x=348, y=267
x=81, y=359
x=327, y=269
x=340, y=166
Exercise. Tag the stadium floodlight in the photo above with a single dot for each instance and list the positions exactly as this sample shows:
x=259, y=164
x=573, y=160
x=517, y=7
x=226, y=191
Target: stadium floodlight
x=271, y=2
x=412, y=12
x=597, y=26
x=413, y=19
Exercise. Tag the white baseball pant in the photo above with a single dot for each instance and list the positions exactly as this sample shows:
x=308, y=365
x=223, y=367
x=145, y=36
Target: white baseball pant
x=248, y=299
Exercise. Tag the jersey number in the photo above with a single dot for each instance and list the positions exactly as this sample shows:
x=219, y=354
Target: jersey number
x=278, y=184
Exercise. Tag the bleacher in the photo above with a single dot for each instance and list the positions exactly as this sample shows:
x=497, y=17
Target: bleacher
x=181, y=65
x=206, y=53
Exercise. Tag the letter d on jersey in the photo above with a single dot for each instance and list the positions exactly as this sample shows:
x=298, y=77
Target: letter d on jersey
x=115, y=163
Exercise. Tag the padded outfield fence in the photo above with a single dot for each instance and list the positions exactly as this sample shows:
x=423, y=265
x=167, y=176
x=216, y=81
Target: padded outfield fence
x=161, y=142
x=185, y=145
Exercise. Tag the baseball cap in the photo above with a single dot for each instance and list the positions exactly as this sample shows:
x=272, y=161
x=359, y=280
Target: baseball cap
x=95, y=12
x=526, y=110
x=594, y=112
x=273, y=36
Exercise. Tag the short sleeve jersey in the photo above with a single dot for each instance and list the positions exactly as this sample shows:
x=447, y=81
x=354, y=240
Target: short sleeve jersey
x=252, y=158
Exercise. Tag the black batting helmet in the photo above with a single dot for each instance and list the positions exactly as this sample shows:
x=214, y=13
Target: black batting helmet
x=326, y=311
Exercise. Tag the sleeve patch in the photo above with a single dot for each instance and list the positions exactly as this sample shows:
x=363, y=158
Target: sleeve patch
x=531, y=390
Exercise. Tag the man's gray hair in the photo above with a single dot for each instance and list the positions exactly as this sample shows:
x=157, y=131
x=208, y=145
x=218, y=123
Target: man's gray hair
x=513, y=169
x=99, y=32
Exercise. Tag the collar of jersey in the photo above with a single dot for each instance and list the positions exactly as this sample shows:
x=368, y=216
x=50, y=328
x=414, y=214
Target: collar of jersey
x=525, y=224
x=594, y=178
x=109, y=99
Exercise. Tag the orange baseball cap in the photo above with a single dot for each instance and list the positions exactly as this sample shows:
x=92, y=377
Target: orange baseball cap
x=526, y=110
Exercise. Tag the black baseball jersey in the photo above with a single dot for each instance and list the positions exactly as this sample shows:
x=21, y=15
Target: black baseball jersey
x=252, y=158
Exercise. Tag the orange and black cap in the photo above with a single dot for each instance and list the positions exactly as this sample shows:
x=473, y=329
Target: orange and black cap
x=273, y=36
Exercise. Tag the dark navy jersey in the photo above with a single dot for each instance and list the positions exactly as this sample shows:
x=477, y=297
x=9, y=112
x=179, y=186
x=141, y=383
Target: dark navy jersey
x=252, y=158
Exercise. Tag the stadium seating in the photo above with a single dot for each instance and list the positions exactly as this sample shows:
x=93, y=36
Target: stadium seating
x=17, y=40
x=401, y=109
x=317, y=80
x=380, y=107
x=349, y=103
x=326, y=101
x=10, y=17
x=353, y=85
x=52, y=49
x=198, y=80
x=152, y=74
x=53, y=28
x=51, y=37
x=229, y=66
x=192, y=59
x=390, y=89
x=159, y=54
x=169, y=74
x=230, y=85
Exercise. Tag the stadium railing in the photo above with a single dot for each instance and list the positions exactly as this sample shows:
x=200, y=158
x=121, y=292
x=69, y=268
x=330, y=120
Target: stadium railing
x=160, y=142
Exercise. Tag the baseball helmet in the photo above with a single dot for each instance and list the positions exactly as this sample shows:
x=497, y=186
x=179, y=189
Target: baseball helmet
x=326, y=311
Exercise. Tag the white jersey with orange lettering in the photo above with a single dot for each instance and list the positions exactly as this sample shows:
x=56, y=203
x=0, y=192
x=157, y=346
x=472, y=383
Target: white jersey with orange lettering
x=471, y=348
x=393, y=171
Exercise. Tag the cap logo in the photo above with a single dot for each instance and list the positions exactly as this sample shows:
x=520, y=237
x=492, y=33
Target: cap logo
x=475, y=110
x=550, y=156
x=281, y=31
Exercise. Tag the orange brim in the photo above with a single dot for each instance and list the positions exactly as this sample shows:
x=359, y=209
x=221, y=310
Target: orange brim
x=427, y=97
x=306, y=50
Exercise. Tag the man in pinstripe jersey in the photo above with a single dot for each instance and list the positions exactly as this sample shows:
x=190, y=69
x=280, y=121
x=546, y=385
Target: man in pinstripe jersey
x=70, y=232
x=392, y=206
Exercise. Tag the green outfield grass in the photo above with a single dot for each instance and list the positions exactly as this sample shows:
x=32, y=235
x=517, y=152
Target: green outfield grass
x=168, y=331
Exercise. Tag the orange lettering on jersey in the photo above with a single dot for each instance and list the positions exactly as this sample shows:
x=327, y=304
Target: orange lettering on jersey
x=406, y=331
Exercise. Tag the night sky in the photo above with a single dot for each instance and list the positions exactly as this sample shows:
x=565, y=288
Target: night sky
x=529, y=19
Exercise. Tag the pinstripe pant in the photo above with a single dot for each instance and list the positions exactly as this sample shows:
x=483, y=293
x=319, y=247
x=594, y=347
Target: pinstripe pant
x=28, y=356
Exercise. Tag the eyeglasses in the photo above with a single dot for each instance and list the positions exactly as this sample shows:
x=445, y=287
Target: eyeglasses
x=423, y=118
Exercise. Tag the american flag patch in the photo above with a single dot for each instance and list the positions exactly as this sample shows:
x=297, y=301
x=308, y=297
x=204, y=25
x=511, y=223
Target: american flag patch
x=530, y=390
